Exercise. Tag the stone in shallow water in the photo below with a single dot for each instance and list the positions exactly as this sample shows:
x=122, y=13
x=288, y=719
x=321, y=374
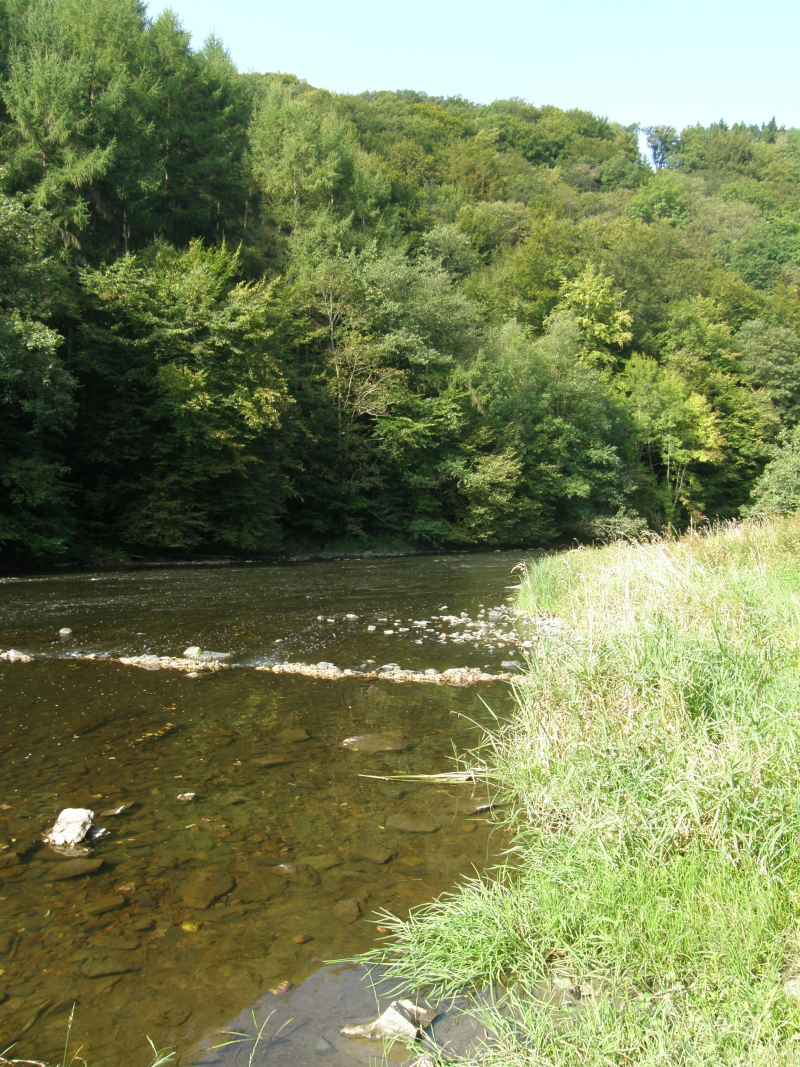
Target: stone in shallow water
x=13, y=656
x=105, y=904
x=378, y=742
x=70, y=828
x=295, y=872
x=61, y=872
x=408, y=823
x=108, y=964
x=402, y=1021
x=116, y=940
x=324, y=862
x=347, y=911
x=294, y=735
x=371, y=853
x=203, y=888
x=271, y=761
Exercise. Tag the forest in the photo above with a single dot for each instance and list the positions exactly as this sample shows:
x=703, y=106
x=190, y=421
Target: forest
x=240, y=314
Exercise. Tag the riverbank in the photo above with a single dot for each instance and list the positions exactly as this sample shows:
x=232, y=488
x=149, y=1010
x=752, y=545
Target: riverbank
x=648, y=910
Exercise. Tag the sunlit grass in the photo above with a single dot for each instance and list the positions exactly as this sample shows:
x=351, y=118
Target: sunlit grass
x=651, y=776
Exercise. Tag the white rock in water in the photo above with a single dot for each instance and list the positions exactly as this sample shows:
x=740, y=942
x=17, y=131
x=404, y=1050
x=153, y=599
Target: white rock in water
x=65, y=632
x=192, y=652
x=402, y=1020
x=70, y=828
x=12, y=656
x=185, y=798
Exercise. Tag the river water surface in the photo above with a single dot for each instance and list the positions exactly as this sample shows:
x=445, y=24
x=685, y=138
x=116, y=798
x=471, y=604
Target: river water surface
x=202, y=908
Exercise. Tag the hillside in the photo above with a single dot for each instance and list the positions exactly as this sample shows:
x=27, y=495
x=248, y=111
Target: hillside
x=239, y=313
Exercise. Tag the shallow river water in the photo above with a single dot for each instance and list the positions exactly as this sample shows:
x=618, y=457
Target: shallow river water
x=204, y=908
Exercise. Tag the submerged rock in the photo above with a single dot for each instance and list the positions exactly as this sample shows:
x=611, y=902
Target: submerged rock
x=372, y=854
x=271, y=761
x=61, y=872
x=409, y=823
x=108, y=964
x=378, y=742
x=302, y=873
x=105, y=904
x=325, y=862
x=347, y=911
x=294, y=736
x=204, y=888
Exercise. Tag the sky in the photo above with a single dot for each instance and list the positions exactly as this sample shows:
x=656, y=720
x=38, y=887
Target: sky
x=672, y=62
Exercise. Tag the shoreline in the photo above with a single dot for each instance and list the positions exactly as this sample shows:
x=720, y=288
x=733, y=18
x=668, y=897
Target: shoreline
x=278, y=560
x=648, y=781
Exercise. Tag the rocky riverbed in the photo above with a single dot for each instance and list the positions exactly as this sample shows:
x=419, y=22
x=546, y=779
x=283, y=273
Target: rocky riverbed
x=244, y=847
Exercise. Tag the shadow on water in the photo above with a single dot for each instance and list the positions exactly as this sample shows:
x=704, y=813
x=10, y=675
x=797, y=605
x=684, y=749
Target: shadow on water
x=201, y=907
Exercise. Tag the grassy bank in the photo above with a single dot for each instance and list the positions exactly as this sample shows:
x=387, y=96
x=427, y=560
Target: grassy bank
x=652, y=779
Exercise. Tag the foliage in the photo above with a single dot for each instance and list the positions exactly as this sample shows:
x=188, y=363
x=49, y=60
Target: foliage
x=236, y=307
x=36, y=389
x=185, y=402
x=777, y=491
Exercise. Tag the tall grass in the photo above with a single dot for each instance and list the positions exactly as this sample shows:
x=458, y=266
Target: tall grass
x=651, y=775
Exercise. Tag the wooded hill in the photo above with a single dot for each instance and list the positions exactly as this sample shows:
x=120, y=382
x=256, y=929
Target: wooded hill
x=238, y=312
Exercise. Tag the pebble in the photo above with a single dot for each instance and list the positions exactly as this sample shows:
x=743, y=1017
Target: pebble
x=61, y=872
x=13, y=656
x=294, y=736
x=378, y=742
x=107, y=965
x=324, y=862
x=372, y=854
x=203, y=888
x=105, y=904
x=301, y=939
x=271, y=761
x=411, y=824
x=347, y=911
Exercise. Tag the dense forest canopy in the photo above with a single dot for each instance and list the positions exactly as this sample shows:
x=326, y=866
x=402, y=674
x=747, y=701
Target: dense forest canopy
x=238, y=312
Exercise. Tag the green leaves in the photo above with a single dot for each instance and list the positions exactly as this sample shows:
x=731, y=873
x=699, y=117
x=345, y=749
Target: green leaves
x=204, y=396
x=36, y=390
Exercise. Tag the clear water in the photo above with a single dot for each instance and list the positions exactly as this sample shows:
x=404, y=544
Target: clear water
x=284, y=831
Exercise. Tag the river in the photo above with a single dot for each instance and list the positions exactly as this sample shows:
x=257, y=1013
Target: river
x=205, y=907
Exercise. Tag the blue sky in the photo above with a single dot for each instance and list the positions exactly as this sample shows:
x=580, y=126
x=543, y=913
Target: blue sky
x=676, y=61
